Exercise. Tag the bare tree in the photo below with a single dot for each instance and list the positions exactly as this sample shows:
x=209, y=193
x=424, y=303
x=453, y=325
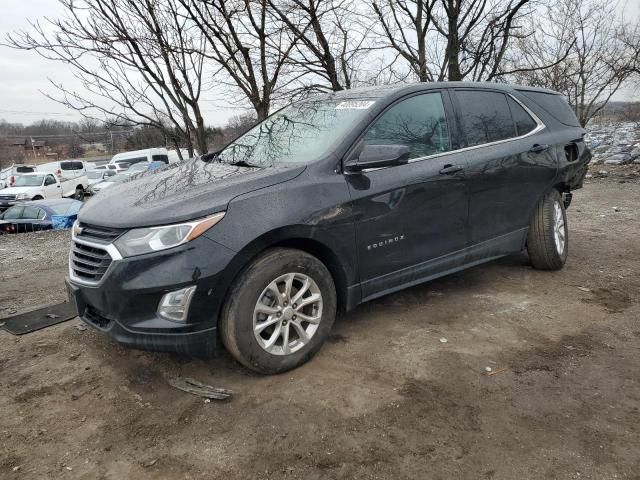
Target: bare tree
x=333, y=41
x=598, y=61
x=138, y=61
x=248, y=45
x=451, y=39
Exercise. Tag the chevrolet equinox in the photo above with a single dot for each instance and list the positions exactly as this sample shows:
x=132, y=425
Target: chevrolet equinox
x=328, y=203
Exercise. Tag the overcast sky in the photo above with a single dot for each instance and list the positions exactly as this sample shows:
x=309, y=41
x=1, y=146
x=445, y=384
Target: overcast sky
x=23, y=75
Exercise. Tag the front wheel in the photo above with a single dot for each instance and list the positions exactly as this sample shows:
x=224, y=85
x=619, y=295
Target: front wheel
x=279, y=311
x=548, y=238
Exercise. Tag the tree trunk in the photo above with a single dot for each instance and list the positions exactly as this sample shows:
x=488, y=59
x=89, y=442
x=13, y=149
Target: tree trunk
x=453, y=48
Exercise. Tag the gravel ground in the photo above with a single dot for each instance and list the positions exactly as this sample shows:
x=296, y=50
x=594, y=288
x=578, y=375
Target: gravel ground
x=385, y=398
x=40, y=256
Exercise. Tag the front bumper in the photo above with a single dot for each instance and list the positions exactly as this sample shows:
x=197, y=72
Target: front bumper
x=124, y=303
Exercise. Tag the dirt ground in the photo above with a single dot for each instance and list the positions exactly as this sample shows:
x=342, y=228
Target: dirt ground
x=384, y=398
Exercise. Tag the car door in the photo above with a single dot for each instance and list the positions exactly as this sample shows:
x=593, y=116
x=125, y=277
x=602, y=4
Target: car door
x=31, y=219
x=51, y=187
x=507, y=168
x=409, y=218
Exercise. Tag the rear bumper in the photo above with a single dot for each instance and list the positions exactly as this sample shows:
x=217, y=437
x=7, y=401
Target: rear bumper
x=124, y=303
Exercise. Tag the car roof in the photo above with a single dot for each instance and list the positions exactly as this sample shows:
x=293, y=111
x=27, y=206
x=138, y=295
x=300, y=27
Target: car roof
x=48, y=205
x=383, y=91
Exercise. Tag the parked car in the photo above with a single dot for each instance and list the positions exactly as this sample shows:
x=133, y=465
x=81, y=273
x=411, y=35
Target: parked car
x=328, y=203
x=95, y=176
x=140, y=167
x=116, y=167
x=31, y=186
x=149, y=155
x=72, y=175
x=8, y=175
x=36, y=215
x=108, y=182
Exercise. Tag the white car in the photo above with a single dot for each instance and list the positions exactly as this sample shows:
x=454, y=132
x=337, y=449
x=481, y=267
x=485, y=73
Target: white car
x=116, y=167
x=31, y=186
x=109, y=182
x=72, y=175
x=98, y=175
x=150, y=155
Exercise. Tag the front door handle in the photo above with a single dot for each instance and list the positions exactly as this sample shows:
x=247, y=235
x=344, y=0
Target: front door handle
x=538, y=148
x=450, y=169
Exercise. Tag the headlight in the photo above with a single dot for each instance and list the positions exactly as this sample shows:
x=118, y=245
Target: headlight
x=22, y=196
x=153, y=239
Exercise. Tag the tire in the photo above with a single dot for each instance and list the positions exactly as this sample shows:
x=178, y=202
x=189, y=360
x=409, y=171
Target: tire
x=548, y=237
x=253, y=290
x=37, y=197
x=79, y=194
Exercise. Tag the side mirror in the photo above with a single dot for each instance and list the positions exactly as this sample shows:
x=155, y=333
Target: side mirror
x=377, y=156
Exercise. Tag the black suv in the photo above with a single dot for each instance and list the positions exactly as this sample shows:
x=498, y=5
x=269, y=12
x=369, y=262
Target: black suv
x=326, y=204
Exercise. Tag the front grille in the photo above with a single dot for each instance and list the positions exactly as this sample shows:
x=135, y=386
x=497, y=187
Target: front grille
x=89, y=263
x=96, y=317
x=101, y=234
x=7, y=197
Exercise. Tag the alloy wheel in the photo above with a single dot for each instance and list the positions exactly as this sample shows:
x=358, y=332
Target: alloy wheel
x=287, y=314
x=559, y=232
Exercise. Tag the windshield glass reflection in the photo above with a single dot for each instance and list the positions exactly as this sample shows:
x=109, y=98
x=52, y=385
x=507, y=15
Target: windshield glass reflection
x=297, y=134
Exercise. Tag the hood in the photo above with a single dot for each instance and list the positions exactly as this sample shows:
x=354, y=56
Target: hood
x=17, y=190
x=182, y=191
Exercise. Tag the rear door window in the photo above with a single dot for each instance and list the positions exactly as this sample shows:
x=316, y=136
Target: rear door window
x=418, y=122
x=524, y=122
x=485, y=116
x=32, y=213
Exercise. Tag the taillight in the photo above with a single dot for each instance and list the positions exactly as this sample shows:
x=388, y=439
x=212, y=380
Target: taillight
x=11, y=180
x=59, y=173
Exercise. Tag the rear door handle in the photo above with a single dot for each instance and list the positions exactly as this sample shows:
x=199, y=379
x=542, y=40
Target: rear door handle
x=450, y=169
x=538, y=148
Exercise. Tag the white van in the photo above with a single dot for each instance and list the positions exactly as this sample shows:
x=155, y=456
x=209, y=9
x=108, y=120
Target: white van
x=149, y=155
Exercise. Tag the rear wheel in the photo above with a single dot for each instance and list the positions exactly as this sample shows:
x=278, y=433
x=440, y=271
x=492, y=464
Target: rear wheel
x=548, y=238
x=79, y=193
x=37, y=197
x=279, y=311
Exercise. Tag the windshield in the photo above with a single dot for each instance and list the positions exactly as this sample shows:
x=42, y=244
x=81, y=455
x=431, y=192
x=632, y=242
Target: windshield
x=95, y=175
x=66, y=208
x=299, y=133
x=29, y=181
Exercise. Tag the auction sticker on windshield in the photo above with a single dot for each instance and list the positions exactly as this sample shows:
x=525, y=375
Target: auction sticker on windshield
x=355, y=105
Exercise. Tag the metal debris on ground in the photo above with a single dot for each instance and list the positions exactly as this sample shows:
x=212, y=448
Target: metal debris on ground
x=495, y=372
x=443, y=340
x=200, y=389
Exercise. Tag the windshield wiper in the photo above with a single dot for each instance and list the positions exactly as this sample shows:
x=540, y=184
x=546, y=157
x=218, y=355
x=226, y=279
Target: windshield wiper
x=242, y=163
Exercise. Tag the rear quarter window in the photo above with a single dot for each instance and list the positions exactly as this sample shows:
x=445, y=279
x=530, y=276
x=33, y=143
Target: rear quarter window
x=555, y=105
